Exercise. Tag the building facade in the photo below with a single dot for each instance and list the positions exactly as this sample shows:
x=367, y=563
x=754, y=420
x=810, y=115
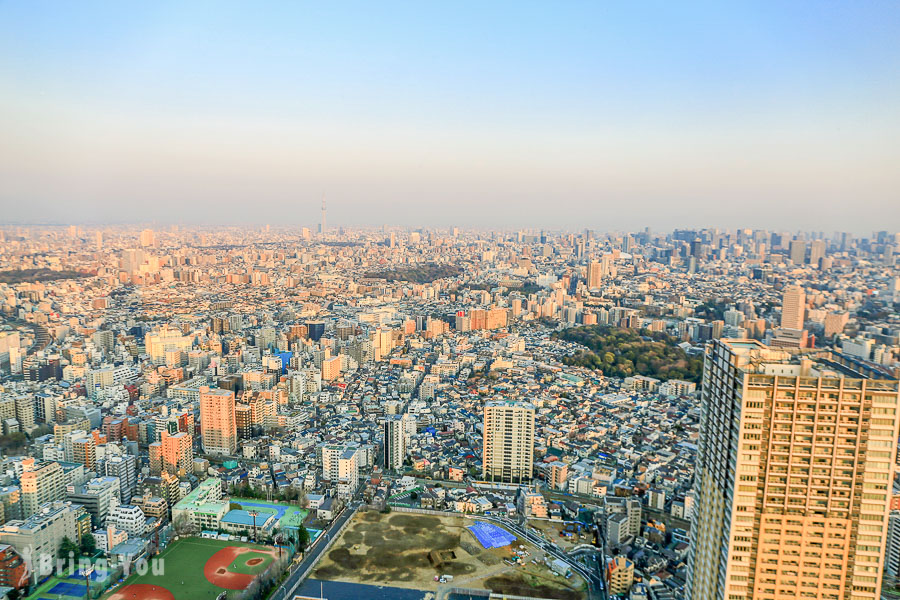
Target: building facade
x=218, y=427
x=508, y=441
x=796, y=458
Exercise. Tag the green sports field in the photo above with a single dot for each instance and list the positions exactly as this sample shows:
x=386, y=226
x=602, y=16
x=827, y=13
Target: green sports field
x=198, y=568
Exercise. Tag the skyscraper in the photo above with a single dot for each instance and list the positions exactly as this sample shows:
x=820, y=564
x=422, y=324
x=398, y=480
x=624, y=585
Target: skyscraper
x=798, y=252
x=595, y=274
x=793, y=307
x=816, y=252
x=323, y=225
x=394, y=443
x=508, y=441
x=218, y=427
x=793, y=477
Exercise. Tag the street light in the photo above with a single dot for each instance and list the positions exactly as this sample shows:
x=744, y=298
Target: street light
x=87, y=582
x=253, y=514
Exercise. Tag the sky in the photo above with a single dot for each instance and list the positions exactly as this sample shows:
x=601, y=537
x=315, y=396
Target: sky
x=601, y=115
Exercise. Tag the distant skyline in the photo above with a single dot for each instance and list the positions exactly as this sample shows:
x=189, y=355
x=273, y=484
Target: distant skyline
x=512, y=115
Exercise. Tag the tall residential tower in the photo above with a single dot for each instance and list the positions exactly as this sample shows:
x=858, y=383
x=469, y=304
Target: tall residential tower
x=793, y=478
x=394, y=442
x=218, y=425
x=508, y=441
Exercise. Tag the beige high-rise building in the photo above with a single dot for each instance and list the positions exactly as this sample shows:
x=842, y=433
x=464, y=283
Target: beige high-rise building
x=41, y=482
x=218, y=426
x=793, y=478
x=163, y=340
x=508, y=441
x=793, y=307
x=147, y=238
x=835, y=323
x=595, y=274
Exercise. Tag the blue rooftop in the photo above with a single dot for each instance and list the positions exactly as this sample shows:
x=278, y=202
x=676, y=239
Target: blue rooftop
x=243, y=517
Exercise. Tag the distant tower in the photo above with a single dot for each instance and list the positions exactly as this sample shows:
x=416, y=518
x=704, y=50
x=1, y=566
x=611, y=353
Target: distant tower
x=323, y=215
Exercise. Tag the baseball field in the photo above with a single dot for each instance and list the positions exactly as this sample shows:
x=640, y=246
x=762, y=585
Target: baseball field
x=199, y=569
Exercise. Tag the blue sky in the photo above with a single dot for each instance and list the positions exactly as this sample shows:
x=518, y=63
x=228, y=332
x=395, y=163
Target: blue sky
x=521, y=114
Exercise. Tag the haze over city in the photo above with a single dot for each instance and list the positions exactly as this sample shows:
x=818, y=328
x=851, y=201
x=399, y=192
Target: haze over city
x=747, y=114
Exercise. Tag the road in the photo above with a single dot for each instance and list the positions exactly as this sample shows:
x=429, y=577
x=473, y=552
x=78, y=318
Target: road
x=314, y=552
x=594, y=581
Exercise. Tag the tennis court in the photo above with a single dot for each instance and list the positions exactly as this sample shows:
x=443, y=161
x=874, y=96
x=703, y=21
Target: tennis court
x=64, y=588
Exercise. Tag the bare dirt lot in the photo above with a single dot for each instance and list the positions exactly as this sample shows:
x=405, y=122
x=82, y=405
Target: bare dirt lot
x=409, y=550
x=552, y=529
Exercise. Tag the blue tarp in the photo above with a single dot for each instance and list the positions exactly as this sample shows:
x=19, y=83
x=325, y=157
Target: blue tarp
x=491, y=536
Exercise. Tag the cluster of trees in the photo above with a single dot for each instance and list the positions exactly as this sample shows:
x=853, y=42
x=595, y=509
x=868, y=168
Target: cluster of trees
x=88, y=547
x=31, y=275
x=425, y=273
x=13, y=444
x=621, y=352
x=710, y=311
x=526, y=288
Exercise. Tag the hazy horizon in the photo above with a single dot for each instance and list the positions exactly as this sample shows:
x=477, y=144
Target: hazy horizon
x=511, y=115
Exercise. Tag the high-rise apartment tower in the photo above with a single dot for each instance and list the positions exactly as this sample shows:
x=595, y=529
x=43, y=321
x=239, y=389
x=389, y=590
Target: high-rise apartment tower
x=793, y=478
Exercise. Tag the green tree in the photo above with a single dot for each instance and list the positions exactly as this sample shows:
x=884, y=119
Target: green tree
x=13, y=443
x=67, y=546
x=302, y=538
x=88, y=544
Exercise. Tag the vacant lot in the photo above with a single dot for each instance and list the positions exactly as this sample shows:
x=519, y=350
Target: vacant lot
x=409, y=550
x=394, y=549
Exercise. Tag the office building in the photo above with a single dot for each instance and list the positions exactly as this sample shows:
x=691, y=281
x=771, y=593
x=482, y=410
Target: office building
x=315, y=330
x=795, y=463
x=798, y=252
x=97, y=496
x=595, y=274
x=835, y=323
x=508, y=441
x=793, y=308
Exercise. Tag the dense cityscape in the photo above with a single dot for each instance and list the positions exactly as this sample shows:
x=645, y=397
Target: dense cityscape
x=550, y=414
x=449, y=300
